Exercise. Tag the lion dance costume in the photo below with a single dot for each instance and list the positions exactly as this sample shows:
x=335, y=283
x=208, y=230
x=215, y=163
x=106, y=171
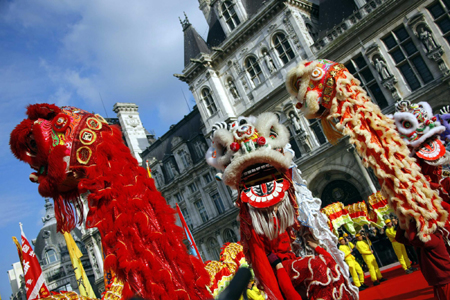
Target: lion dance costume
x=76, y=152
x=327, y=91
x=277, y=211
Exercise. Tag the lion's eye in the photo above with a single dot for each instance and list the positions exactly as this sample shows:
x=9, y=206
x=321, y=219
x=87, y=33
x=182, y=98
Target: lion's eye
x=31, y=145
x=407, y=124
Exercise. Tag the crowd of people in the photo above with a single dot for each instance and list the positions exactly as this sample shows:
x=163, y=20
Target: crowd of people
x=432, y=256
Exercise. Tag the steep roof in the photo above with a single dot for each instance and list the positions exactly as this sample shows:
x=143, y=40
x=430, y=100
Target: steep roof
x=187, y=129
x=194, y=44
x=332, y=12
x=252, y=6
x=216, y=35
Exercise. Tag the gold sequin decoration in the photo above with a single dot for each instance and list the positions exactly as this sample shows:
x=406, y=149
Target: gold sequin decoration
x=84, y=155
x=87, y=136
x=94, y=123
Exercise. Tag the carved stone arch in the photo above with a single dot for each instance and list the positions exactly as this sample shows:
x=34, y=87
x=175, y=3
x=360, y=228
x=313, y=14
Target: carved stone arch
x=320, y=178
x=275, y=32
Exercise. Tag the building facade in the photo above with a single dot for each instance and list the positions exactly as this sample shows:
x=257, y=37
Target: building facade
x=178, y=166
x=51, y=250
x=398, y=49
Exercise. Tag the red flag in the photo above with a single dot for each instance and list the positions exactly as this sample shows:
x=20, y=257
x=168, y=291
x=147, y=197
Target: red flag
x=189, y=237
x=34, y=279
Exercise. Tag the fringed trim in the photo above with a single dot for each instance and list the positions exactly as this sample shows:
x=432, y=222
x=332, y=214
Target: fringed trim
x=375, y=137
x=271, y=223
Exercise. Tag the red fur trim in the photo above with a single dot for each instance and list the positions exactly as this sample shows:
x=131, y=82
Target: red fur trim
x=42, y=110
x=18, y=140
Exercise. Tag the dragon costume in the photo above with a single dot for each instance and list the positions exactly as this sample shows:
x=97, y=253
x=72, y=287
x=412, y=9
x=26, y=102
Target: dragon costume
x=326, y=90
x=75, y=152
x=277, y=211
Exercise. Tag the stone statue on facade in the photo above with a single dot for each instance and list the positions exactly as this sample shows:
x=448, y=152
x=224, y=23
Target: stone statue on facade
x=269, y=62
x=233, y=89
x=382, y=69
x=427, y=39
x=295, y=121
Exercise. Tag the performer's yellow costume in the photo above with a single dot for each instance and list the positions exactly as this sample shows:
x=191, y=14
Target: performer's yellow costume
x=399, y=249
x=354, y=267
x=254, y=294
x=370, y=260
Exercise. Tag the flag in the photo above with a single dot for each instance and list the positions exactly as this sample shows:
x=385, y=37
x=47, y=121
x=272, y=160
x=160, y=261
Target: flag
x=189, y=237
x=84, y=286
x=34, y=279
x=19, y=250
x=148, y=169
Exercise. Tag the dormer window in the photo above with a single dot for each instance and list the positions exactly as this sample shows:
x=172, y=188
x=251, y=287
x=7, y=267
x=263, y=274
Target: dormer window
x=230, y=15
x=209, y=101
x=283, y=47
x=254, y=70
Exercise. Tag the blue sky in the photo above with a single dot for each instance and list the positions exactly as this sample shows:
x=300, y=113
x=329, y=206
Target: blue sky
x=73, y=53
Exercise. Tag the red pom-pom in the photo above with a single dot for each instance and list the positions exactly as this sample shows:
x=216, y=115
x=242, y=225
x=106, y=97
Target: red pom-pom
x=235, y=147
x=298, y=105
x=60, y=122
x=261, y=141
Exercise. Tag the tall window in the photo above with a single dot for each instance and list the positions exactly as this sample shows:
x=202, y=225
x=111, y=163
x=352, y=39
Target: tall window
x=214, y=249
x=407, y=58
x=283, y=47
x=50, y=256
x=170, y=168
x=218, y=203
x=192, y=187
x=441, y=17
x=187, y=218
x=184, y=158
x=201, y=210
x=179, y=197
x=200, y=149
x=209, y=101
x=317, y=128
x=207, y=177
x=229, y=14
x=254, y=70
x=359, y=68
x=229, y=236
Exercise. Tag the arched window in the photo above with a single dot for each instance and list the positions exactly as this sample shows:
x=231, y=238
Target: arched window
x=229, y=236
x=214, y=249
x=283, y=47
x=209, y=101
x=229, y=14
x=254, y=70
x=50, y=256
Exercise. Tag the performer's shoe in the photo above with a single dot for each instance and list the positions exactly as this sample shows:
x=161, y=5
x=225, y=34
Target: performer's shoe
x=364, y=285
x=361, y=288
x=375, y=283
x=413, y=269
x=408, y=271
x=382, y=279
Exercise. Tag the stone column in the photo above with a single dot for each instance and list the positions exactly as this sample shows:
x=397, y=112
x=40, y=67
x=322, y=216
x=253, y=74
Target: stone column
x=351, y=148
x=219, y=238
x=205, y=251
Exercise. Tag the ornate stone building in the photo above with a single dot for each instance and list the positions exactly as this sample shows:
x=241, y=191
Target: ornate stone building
x=397, y=48
x=177, y=161
x=51, y=251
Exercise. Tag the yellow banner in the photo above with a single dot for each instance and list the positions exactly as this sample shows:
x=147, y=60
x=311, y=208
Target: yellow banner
x=75, y=254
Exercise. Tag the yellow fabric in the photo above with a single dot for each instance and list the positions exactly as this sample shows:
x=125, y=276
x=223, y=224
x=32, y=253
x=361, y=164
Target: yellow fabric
x=391, y=232
x=75, y=254
x=356, y=272
x=347, y=252
x=254, y=294
x=370, y=260
x=403, y=258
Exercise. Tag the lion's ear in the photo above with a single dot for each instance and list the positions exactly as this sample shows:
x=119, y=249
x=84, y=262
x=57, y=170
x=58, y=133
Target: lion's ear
x=42, y=110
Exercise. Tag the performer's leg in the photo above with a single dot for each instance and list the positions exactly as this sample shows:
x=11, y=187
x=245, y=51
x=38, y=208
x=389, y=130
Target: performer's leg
x=373, y=273
x=398, y=251
x=405, y=256
x=377, y=269
x=352, y=269
x=360, y=272
x=442, y=292
x=285, y=284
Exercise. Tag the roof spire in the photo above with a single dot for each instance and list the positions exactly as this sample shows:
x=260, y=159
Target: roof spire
x=185, y=24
